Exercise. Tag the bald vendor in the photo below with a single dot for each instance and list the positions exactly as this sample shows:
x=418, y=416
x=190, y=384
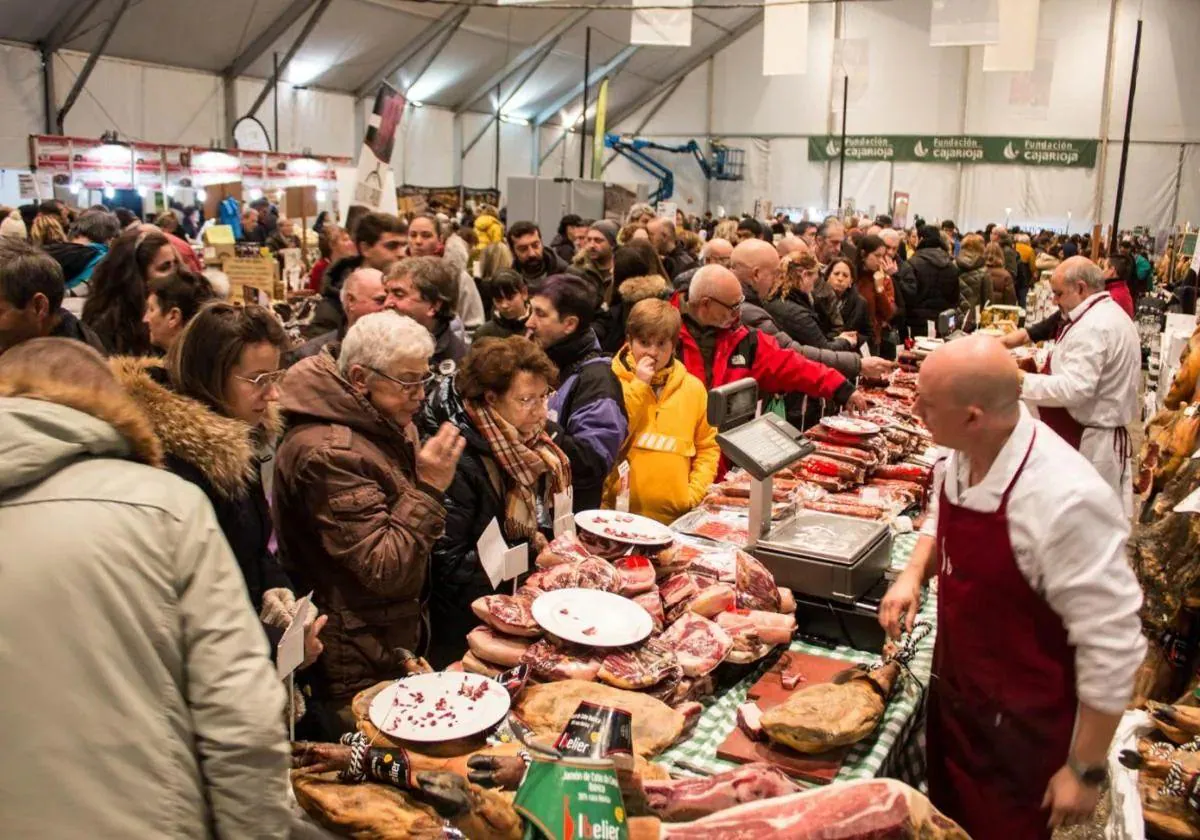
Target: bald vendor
x=1038, y=636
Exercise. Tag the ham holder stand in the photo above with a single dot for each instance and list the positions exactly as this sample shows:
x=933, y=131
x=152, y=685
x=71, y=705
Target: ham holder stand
x=833, y=562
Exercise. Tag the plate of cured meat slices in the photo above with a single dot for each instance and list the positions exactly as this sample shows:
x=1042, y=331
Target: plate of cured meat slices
x=439, y=706
x=624, y=527
x=592, y=617
x=850, y=425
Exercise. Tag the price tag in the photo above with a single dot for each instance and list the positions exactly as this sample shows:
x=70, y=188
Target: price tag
x=864, y=350
x=289, y=653
x=622, y=503
x=564, y=512
x=931, y=329
x=871, y=495
x=500, y=562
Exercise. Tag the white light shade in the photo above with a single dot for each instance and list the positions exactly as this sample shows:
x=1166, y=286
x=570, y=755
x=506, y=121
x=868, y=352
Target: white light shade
x=964, y=23
x=109, y=192
x=662, y=27
x=201, y=196
x=785, y=38
x=1017, y=50
x=301, y=72
x=256, y=194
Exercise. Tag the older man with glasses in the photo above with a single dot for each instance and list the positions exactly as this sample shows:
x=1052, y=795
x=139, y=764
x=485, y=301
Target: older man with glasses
x=358, y=500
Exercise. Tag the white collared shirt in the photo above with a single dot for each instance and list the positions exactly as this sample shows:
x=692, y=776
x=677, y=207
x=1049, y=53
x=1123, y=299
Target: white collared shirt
x=1068, y=533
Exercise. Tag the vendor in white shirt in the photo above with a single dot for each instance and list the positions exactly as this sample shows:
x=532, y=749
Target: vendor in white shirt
x=1038, y=636
x=1087, y=391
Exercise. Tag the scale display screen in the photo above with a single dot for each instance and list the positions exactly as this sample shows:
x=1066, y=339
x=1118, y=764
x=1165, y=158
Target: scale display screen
x=763, y=446
x=732, y=405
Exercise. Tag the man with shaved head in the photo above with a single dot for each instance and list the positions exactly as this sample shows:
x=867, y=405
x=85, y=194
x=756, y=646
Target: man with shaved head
x=715, y=252
x=675, y=259
x=1038, y=636
x=1087, y=390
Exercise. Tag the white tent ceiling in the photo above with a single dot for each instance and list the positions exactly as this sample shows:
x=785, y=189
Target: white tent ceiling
x=356, y=39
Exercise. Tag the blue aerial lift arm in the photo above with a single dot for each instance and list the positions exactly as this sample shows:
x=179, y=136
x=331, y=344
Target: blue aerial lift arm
x=633, y=150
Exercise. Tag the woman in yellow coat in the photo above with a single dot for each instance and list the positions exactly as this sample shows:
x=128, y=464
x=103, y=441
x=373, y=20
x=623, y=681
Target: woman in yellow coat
x=671, y=449
x=487, y=228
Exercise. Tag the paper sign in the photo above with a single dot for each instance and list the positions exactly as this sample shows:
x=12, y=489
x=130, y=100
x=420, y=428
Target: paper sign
x=666, y=210
x=864, y=350
x=492, y=549
x=1191, y=504
x=871, y=496
x=931, y=329
x=622, y=503
x=564, y=512
x=289, y=653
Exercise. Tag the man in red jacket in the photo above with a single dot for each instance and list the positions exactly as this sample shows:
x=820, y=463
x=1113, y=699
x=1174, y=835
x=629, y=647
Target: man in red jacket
x=718, y=349
x=1118, y=276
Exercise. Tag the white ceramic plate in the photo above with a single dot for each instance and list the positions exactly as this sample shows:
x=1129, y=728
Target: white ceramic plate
x=591, y=617
x=623, y=527
x=850, y=425
x=440, y=706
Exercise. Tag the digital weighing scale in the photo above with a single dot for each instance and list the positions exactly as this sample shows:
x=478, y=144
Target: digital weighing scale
x=827, y=557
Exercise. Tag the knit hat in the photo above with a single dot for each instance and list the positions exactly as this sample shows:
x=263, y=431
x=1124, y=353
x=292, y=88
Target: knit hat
x=930, y=237
x=14, y=226
x=609, y=229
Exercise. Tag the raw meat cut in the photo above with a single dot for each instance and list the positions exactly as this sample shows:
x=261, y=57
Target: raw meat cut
x=496, y=648
x=717, y=563
x=749, y=720
x=820, y=717
x=851, y=455
x=668, y=688
x=507, y=613
x=592, y=573
x=638, y=668
x=564, y=549
x=846, y=509
x=546, y=709
x=787, y=600
x=691, y=711
x=820, y=466
x=699, y=644
x=713, y=600
x=756, y=589
x=637, y=574
x=472, y=664
x=651, y=602
x=678, y=800
x=867, y=808
x=905, y=472
x=772, y=628
x=670, y=559
x=548, y=661
x=677, y=590
x=741, y=629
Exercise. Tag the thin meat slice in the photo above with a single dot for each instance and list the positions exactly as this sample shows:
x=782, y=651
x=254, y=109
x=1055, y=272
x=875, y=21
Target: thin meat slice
x=638, y=668
x=550, y=662
x=508, y=614
x=677, y=590
x=867, y=808
x=678, y=800
x=497, y=648
x=637, y=574
x=756, y=589
x=700, y=645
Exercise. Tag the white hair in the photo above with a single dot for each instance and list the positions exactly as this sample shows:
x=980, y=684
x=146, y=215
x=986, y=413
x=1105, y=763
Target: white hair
x=1087, y=272
x=889, y=235
x=707, y=249
x=704, y=282
x=352, y=280
x=381, y=338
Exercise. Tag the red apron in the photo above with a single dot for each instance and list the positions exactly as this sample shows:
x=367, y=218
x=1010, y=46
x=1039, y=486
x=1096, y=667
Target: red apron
x=1057, y=418
x=1002, y=706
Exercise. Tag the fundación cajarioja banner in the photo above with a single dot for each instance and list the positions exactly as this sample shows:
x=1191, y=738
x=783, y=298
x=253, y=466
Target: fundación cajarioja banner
x=913, y=148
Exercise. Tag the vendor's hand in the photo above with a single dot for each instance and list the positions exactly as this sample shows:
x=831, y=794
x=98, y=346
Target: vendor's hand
x=1069, y=800
x=645, y=369
x=898, y=609
x=857, y=403
x=313, y=647
x=877, y=366
x=278, y=607
x=849, y=336
x=438, y=458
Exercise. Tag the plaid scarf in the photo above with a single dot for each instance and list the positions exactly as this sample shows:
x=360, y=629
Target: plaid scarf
x=524, y=463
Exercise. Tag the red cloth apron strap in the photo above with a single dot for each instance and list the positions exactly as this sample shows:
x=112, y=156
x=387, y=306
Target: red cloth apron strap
x=1003, y=704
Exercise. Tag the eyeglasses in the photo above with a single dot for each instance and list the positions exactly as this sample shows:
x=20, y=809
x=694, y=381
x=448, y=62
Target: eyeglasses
x=527, y=403
x=264, y=380
x=410, y=385
x=732, y=307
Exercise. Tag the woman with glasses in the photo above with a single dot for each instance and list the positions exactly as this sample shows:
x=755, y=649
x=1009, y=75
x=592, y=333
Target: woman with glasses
x=116, y=302
x=216, y=417
x=358, y=500
x=510, y=471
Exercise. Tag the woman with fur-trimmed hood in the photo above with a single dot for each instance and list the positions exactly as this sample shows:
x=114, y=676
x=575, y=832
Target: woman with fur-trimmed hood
x=213, y=408
x=638, y=275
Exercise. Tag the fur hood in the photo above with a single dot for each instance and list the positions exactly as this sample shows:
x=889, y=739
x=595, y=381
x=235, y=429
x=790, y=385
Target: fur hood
x=635, y=289
x=221, y=448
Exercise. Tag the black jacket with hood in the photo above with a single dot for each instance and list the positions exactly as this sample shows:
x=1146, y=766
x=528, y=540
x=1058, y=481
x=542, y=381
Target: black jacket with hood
x=796, y=315
x=610, y=328
x=929, y=283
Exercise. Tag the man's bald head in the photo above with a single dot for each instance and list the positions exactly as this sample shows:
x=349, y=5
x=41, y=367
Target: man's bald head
x=716, y=252
x=968, y=387
x=791, y=245
x=715, y=296
x=362, y=293
x=662, y=235
x=756, y=264
x=1074, y=280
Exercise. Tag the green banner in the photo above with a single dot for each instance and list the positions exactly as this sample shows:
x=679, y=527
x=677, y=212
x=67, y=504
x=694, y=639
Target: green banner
x=911, y=148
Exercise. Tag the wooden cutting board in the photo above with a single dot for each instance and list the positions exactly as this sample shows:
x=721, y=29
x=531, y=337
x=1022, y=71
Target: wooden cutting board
x=769, y=692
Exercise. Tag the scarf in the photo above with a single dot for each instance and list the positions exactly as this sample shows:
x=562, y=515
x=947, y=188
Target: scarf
x=524, y=463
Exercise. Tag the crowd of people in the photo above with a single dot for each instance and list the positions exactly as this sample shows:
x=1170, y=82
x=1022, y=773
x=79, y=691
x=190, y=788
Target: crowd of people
x=450, y=373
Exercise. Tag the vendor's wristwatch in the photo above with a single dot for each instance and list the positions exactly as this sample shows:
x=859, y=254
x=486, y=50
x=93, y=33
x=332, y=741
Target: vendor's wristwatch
x=1092, y=775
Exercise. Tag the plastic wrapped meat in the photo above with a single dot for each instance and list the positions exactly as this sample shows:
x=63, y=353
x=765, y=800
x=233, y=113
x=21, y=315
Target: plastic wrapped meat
x=700, y=645
x=592, y=573
x=564, y=549
x=651, y=602
x=507, y=614
x=637, y=574
x=497, y=648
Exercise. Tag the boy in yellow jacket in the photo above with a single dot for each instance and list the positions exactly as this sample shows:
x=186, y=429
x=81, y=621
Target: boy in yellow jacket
x=671, y=449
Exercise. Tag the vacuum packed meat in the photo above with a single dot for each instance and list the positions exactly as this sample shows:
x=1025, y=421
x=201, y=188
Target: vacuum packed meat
x=592, y=573
x=549, y=661
x=497, y=648
x=756, y=589
x=637, y=667
x=652, y=603
x=636, y=573
x=713, y=600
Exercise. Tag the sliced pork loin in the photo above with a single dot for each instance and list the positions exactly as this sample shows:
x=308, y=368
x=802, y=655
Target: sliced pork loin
x=867, y=808
x=637, y=574
x=638, y=667
x=507, y=613
x=497, y=648
x=677, y=800
x=551, y=662
x=700, y=645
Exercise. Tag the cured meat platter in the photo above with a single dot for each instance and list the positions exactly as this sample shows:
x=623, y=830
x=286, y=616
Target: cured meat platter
x=768, y=692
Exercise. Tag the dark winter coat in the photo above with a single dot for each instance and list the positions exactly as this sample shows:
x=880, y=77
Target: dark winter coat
x=796, y=315
x=974, y=286
x=563, y=247
x=853, y=311
x=929, y=283
x=610, y=329
x=500, y=327
x=550, y=265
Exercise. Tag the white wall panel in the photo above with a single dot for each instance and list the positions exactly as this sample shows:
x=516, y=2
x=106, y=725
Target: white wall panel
x=1038, y=197
x=795, y=182
x=1189, y=187
x=424, y=153
x=20, y=104
x=1151, y=179
x=680, y=114
x=308, y=119
x=479, y=166
x=931, y=189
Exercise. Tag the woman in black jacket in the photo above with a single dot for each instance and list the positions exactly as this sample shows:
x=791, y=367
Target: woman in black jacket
x=637, y=272
x=510, y=471
x=855, y=316
x=791, y=305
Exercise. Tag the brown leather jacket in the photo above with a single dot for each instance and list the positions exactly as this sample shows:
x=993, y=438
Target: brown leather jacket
x=353, y=525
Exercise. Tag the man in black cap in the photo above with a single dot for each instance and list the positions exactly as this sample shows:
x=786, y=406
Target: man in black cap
x=594, y=262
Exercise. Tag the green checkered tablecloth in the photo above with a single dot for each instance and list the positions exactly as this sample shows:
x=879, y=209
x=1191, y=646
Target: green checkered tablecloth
x=896, y=748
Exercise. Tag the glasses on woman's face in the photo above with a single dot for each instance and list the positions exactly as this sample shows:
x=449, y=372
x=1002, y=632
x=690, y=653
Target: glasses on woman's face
x=408, y=384
x=527, y=404
x=264, y=380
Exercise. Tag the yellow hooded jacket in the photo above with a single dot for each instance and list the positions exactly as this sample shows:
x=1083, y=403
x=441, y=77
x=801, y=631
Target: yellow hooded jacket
x=671, y=448
x=488, y=230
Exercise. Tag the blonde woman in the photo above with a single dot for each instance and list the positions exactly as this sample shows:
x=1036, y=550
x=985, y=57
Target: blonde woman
x=47, y=230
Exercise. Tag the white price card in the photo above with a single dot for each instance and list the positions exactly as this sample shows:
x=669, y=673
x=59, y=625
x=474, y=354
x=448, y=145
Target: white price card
x=864, y=350
x=564, y=512
x=289, y=653
x=499, y=561
x=931, y=329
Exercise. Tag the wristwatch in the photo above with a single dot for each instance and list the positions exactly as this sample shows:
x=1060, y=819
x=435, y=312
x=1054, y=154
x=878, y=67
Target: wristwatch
x=1091, y=775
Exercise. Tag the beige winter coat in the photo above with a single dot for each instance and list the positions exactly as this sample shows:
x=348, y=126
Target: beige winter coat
x=137, y=698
